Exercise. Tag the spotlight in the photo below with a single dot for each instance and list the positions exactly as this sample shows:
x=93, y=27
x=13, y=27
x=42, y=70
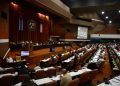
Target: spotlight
x=14, y=4
x=106, y=17
x=119, y=11
x=110, y=22
x=103, y=12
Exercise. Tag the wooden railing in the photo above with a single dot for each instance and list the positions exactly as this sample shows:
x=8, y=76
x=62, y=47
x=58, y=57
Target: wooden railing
x=6, y=53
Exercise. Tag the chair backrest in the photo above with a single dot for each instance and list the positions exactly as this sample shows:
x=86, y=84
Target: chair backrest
x=11, y=70
x=1, y=71
x=40, y=74
x=51, y=72
x=93, y=73
x=84, y=78
x=74, y=82
x=48, y=63
x=6, y=80
x=54, y=83
x=23, y=77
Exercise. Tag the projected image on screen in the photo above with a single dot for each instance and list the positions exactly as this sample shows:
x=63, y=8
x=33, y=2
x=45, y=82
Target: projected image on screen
x=25, y=53
x=82, y=32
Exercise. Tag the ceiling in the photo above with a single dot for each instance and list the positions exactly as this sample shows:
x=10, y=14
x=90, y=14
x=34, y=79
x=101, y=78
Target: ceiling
x=110, y=7
x=86, y=3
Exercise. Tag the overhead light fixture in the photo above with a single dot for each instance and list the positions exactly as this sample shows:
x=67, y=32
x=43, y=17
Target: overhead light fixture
x=47, y=17
x=103, y=12
x=106, y=17
x=110, y=22
x=14, y=4
x=97, y=20
x=119, y=11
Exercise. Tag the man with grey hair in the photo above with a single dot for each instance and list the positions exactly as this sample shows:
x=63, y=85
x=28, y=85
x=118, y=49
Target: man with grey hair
x=66, y=78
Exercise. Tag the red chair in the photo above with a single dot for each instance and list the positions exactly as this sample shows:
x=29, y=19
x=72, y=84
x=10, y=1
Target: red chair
x=10, y=70
x=84, y=78
x=74, y=82
x=40, y=74
x=6, y=80
x=23, y=77
x=51, y=72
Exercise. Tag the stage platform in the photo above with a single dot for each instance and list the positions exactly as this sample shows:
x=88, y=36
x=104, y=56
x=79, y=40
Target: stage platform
x=41, y=54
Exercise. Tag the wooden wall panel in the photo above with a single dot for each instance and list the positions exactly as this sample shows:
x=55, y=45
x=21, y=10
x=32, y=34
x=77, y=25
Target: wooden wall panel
x=3, y=49
x=70, y=35
x=108, y=30
x=27, y=13
x=4, y=26
x=58, y=29
x=4, y=20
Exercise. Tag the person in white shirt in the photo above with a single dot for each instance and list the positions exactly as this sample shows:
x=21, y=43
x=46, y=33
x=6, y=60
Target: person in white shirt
x=1, y=69
x=9, y=60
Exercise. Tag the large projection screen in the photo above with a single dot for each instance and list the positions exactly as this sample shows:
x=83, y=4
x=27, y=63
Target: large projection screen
x=82, y=32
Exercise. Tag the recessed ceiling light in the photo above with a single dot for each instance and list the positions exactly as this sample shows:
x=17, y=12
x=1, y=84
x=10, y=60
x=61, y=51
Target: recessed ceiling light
x=110, y=22
x=106, y=17
x=103, y=12
x=119, y=11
